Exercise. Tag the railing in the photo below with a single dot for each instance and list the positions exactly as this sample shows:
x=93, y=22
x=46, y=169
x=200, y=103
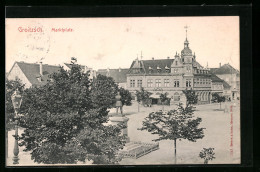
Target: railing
x=138, y=149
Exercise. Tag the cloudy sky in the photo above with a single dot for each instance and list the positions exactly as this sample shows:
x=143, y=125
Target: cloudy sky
x=103, y=43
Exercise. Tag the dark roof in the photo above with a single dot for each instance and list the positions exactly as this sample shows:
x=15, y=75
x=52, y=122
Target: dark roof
x=32, y=71
x=225, y=69
x=226, y=85
x=119, y=75
x=70, y=66
x=154, y=64
x=214, y=78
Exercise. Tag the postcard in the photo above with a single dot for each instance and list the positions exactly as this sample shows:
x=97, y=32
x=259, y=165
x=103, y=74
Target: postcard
x=122, y=91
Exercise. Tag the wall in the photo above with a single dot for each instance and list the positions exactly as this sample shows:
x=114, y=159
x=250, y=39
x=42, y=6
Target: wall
x=16, y=72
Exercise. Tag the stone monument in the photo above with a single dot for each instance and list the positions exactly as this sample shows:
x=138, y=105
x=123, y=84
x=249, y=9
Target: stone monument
x=120, y=119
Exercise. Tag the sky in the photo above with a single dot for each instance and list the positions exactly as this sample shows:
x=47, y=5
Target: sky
x=102, y=43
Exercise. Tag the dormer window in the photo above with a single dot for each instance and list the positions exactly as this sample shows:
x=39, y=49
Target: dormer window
x=150, y=69
x=158, y=69
x=167, y=69
x=176, y=63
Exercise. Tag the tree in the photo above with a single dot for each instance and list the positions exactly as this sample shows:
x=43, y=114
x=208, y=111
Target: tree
x=207, y=154
x=126, y=97
x=191, y=97
x=218, y=99
x=64, y=120
x=142, y=96
x=174, y=125
x=163, y=98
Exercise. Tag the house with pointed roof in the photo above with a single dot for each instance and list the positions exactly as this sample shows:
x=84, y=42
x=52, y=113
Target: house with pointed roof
x=219, y=86
x=171, y=75
x=119, y=75
x=231, y=76
x=32, y=74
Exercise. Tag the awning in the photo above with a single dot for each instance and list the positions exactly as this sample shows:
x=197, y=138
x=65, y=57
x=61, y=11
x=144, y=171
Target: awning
x=155, y=96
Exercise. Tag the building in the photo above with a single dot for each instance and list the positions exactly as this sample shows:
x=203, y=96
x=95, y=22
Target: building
x=232, y=77
x=219, y=86
x=172, y=76
x=32, y=74
x=119, y=75
x=92, y=73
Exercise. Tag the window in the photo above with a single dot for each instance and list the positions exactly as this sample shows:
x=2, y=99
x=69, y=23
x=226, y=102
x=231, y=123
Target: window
x=149, y=83
x=176, y=97
x=157, y=83
x=188, y=83
x=176, y=83
x=132, y=83
x=166, y=82
x=176, y=62
x=203, y=81
x=139, y=83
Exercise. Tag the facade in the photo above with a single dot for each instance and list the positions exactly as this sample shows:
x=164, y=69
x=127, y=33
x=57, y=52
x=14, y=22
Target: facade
x=232, y=77
x=171, y=76
x=31, y=74
x=119, y=75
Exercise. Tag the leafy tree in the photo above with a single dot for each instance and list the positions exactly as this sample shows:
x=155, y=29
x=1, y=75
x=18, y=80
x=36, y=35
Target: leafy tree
x=217, y=98
x=163, y=98
x=103, y=93
x=174, y=125
x=64, y=120
x=191, y=97
x=142, y=96
x=207, y=154
x=125, y=96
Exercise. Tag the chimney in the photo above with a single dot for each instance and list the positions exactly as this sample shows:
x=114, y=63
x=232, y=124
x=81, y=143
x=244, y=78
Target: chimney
x=219, y=64
x=168, y=57
x=41, y=68
x=152, y=58
x=119, y=69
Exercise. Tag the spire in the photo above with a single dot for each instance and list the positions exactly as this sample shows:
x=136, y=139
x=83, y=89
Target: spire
x=141, y=55
x=186, y=27
x=186, y=42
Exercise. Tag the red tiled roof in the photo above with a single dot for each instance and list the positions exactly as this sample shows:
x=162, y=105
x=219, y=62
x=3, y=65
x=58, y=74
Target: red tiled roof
x=32, y=71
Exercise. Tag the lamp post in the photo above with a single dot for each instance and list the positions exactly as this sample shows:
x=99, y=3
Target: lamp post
x=16, y=100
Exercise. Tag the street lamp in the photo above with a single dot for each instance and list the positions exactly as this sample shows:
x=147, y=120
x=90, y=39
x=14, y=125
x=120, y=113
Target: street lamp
x=16, y=100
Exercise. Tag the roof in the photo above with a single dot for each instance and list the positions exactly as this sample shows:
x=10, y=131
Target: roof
x=196, y=64
x=147, y=65
x=224, y=69
x=214, y=78
x=70, y=66
x=32, y=71
x=226, y=85
x=119, y=75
